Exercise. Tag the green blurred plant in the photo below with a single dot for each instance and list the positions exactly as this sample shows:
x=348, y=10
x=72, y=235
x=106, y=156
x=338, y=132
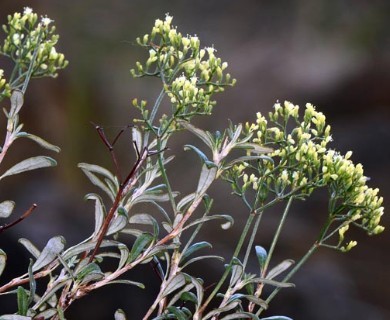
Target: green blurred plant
x=281, y=159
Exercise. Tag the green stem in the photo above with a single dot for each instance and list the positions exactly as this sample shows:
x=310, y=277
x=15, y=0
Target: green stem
x=277, y=235
x=228, y=268
x=165, y=177
x=308, y=254
x=252, y=238
x=31, y=66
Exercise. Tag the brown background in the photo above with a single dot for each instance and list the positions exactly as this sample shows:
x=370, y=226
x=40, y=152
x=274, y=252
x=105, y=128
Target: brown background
x=334, y=54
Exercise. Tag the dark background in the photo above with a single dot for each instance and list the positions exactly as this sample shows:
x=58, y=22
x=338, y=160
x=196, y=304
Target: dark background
x=334, y=54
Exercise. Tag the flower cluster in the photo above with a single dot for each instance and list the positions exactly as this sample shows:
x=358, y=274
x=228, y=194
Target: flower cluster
x=4, y=86
x=301, y=162
x=191, y=74
x=32, y=42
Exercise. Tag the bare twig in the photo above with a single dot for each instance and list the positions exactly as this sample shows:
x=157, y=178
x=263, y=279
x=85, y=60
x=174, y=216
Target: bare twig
x=20, y=219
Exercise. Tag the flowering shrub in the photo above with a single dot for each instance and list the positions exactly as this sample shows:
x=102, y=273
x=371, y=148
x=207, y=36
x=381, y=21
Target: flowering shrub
x=279, y=159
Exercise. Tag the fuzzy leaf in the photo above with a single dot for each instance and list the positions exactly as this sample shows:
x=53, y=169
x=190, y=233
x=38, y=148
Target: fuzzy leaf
x=277, y=318
x=82, y=247
x=47, y=314
x=124, y=255
x=90, y=272
x=281, y=267
x=90, y=170
x=255, y=148
x=140, y=243
x=6, y=208
x=129, y=282
x=202, y=258
x=237, y=272
x=22, y=298
x=30, y=164
x=3, y=261
x=177, y=282
x=43, y=143
x=53, y=248
x=178, y=314
x=199, y=133
x=100, y=211
x=261, y=255
x=145, y=219
x=207, y=176
x=120, y=315
x=119, y=222
x=229, y=221
x=17, y=100
x=14, y=317
x=30, y=247
x=187, y=199
x=201, y=155
x=240, y=315
x=195, y=247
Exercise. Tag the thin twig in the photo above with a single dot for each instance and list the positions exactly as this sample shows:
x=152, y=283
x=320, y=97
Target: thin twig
x=20, y=219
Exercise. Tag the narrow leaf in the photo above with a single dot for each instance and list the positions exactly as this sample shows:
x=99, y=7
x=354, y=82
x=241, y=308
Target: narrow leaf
x=137, y=139
x=255, y=148
x=240, y=315
x=117, y=224
x=177, y=282
x=3, y=261
x=43, y=143
x=124, y=255
x=229, y=221
x=82, y=247
x=145, y=219
x=201, y=155
x=207, y=176
x=30, y=247
x=261, y=255
x=47, y=314
x=89, y=170
x=140, y=243
x=22, y=298
x=6, y=208
x=30, y=164
x=281, y=267
x=195, y=247
x=14, y=317
x=187, y=199
x=198, y=132
x=277, y=318
x=120, y=315
x=100, y=211
x=54, y=247
x=129, y=282
x=17, y=100
x=237, y=272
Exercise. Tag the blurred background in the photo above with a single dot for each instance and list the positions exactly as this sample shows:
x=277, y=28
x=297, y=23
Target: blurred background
x=334, y=54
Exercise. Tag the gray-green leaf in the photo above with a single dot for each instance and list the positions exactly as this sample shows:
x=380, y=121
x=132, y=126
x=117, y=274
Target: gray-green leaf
x=6, y=208
x=17, y=101
x=207, y=176
x=30, y=247
x=120, y=315
x=3, y=260
x=281, y=267
x=177, y=282
x=30, y=164
x=54, y=247
x=140, y=243
x=43, y=143
x=261, y=254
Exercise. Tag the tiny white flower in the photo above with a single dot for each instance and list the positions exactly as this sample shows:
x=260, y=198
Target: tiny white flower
x=46, y=21
x=27, y=11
